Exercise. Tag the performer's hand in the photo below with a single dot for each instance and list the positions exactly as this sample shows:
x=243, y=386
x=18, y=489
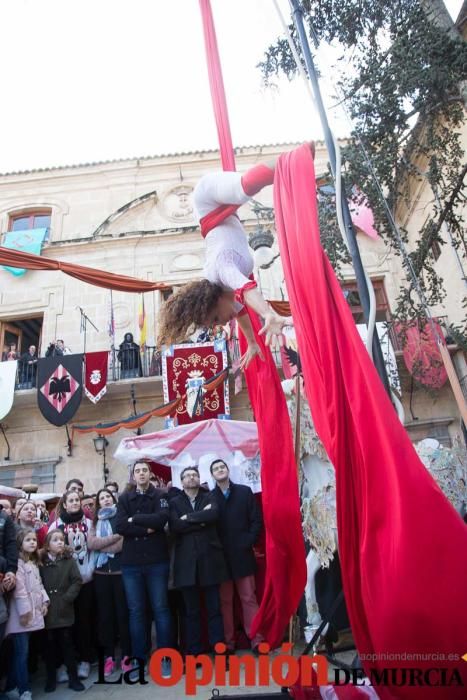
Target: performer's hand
x=272, y=328
x=252, y=350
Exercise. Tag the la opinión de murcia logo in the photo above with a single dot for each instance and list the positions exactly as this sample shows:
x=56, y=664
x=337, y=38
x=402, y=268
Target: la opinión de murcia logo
x=283, y=669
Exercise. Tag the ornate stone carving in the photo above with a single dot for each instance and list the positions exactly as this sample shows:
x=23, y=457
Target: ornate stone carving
x=177, y=204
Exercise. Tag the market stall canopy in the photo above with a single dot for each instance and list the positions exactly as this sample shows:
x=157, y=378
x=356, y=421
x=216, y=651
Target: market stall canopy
x=199, y=444
x=10, y=492
x=44, y=496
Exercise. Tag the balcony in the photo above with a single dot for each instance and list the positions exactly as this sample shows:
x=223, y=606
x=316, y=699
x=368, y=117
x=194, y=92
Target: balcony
x=122, y=364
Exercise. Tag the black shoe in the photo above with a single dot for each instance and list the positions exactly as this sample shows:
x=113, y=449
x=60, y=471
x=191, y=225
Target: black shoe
x=76, y=685
x=50, y=686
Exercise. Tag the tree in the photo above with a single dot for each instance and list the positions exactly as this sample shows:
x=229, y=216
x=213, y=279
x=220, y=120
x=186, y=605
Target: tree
x=403, y=66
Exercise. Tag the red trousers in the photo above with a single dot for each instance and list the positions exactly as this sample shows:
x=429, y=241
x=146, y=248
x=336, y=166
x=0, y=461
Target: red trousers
x=246, y=589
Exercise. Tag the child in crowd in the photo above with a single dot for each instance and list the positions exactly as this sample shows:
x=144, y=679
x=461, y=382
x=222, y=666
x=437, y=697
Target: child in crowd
x=26, y=517
x=74, y=524
x=112, y=610
x=28, y=607
x=62, y=582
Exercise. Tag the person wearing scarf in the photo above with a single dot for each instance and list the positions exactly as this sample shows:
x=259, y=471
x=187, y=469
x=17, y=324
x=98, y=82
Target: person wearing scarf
x=74, y=524
x=112, y=610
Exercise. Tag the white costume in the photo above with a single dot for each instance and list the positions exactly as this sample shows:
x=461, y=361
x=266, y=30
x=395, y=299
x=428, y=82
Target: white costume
x=229, y=262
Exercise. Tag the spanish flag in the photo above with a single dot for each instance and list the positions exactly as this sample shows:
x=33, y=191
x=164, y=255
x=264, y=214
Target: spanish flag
x=142, y=323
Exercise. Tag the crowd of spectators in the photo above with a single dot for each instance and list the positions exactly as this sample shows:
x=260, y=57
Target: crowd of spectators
x=85, y=580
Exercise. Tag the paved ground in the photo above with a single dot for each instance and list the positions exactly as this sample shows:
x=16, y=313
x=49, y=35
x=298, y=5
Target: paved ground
x=151, y=691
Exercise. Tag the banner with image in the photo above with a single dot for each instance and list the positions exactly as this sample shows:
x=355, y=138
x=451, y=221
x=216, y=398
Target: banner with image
x=95, y=374
x=185, y=370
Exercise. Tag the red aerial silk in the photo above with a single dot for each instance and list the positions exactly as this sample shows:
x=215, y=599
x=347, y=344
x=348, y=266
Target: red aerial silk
x=285, y=549
x=217, y=87
x=402, y=546
x=285, y=552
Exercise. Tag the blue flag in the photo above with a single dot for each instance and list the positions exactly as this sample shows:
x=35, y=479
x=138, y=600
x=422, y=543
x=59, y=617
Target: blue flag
x=28, y=241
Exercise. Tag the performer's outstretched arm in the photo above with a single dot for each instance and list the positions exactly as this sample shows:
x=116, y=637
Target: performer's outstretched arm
x=253, y=347
x=273, y=323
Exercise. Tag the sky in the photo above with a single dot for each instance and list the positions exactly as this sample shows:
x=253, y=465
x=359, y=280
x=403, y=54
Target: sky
x=91, y=80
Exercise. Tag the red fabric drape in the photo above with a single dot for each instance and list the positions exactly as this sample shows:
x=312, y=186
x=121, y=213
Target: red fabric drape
x=402, y=546
x=216, y=84
x=99, y=278
x=285, y=553
x=285, y=550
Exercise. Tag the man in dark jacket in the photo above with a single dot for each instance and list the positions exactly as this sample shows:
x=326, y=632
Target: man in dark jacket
x=142, y=514
x=8, y=565
x=239, y=527
x=198, y=558
x=29, y=368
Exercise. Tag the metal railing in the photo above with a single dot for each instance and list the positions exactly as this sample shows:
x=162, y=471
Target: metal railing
x=275, y=350
x=127, y=363
x=26, y=375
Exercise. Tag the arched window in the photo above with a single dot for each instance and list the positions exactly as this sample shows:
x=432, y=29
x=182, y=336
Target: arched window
x=29, y=219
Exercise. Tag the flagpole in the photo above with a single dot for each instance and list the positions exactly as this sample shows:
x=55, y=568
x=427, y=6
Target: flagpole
x=84, y=325
x=351, y=237
x=111, y=331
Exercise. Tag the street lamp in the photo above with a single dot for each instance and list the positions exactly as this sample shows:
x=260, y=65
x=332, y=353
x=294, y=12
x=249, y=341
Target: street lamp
x=100, y=443
x=261, y=240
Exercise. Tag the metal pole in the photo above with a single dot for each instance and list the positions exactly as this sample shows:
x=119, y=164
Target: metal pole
x=351, y=237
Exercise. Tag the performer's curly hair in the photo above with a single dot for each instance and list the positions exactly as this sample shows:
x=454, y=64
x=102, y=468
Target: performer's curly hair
x=187, y=309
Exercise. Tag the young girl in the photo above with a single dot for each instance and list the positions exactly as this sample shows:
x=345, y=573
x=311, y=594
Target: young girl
x=27, y=517
x=27, y=610
x=227, y=283
x=112, y=611
x=75, y=526
x=62, y=582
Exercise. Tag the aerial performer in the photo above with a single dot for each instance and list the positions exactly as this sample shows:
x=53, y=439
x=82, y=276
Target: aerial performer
x=227, y=285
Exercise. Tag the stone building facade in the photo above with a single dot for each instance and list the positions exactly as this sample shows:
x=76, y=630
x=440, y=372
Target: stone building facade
x=135, y=217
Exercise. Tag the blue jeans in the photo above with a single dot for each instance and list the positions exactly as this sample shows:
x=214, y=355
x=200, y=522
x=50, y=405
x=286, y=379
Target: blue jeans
x=18, y=674
x=153, y=579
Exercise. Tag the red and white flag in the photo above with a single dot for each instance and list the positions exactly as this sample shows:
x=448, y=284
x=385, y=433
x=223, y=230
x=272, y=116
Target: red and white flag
x=95, y=373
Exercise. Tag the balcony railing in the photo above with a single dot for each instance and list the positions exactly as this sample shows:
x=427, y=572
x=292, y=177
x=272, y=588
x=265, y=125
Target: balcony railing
x=122, y=364
x=131, y=364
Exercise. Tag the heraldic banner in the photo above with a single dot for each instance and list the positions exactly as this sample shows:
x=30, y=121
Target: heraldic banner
x=95, y=374
x=7, y=386
x=185, y=368
x=59, y=387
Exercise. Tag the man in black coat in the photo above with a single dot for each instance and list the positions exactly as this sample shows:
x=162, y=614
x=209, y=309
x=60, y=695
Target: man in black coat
x=239, y=526
x=142, y=514
x=198, y=558
x=29, y=368
x=8, y=564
